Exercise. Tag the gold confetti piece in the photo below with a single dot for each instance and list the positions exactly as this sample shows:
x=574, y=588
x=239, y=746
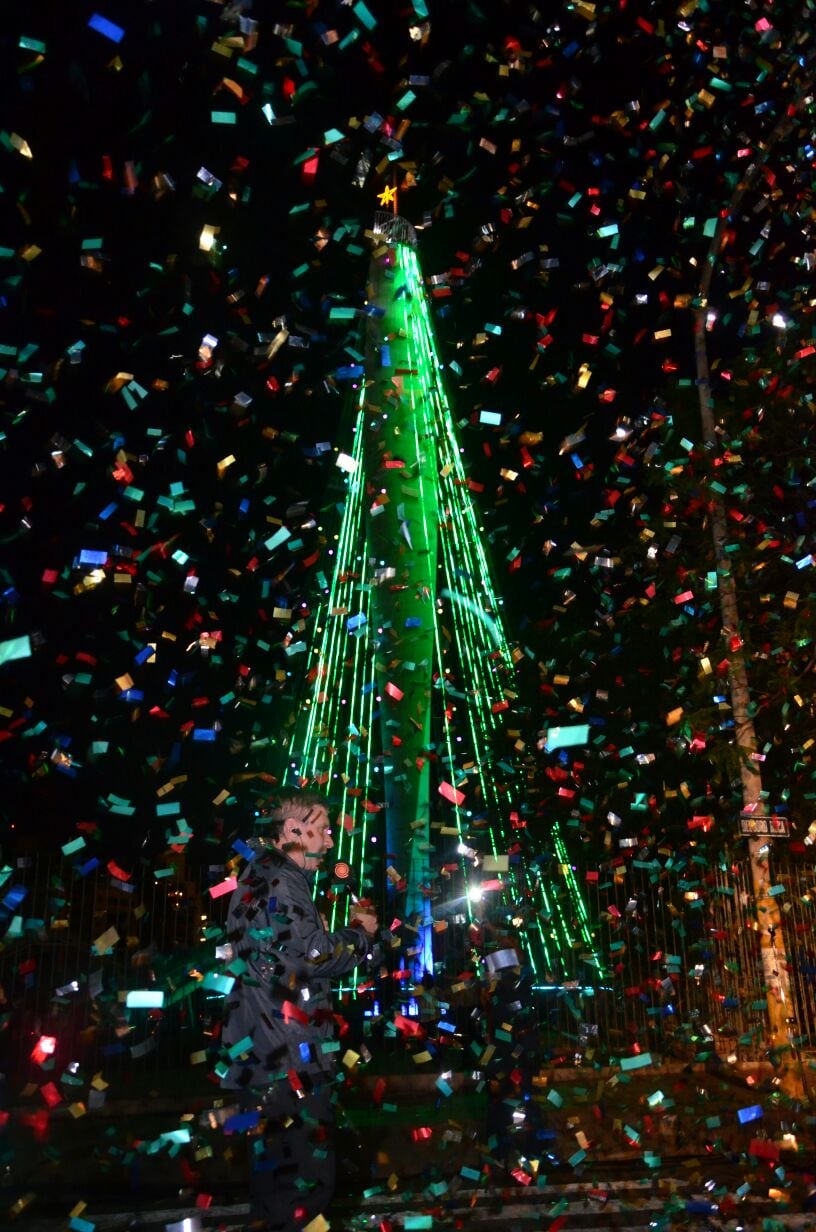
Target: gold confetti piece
x=318, y=1224
x=106, y=940
x=350, y=1058
x=116, y=382
x=207, y=238
x=420, y=1058
x=21, y=145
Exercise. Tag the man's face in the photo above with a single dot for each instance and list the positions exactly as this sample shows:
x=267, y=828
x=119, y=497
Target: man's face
x=307, y=839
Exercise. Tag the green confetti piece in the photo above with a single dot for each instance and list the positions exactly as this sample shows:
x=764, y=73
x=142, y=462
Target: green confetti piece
x=364, y=15
x=15, y=648
x=637, y=1062
x=218, y=983
x=280, y=536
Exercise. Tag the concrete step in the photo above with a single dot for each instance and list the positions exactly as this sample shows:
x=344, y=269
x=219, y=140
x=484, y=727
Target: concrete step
x=626, y=1204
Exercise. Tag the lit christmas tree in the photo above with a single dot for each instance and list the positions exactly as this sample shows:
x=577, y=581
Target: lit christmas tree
x=407, y=722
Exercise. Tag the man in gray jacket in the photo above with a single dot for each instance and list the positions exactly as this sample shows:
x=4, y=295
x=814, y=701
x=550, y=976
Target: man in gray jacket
x=279, y=1028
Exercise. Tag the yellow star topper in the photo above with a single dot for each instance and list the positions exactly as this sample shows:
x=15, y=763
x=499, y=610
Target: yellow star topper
x=388, y=196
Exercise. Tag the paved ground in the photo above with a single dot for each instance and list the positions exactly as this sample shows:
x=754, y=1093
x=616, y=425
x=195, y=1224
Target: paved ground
x=590, y=1212
x=115, y=1170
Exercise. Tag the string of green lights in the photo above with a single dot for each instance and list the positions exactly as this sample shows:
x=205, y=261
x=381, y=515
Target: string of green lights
x=475, y=583
x=389, y=733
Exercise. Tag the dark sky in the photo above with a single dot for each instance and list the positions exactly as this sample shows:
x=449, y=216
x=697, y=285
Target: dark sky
x=565, y=165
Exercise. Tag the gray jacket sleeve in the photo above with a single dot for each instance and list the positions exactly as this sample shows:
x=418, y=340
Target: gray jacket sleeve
x=285, y=927
x=327, y=954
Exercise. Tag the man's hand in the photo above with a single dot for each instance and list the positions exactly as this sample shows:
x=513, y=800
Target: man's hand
x=364, y=916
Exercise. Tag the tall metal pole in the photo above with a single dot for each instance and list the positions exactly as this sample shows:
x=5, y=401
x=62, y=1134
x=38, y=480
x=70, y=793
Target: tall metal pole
x=768, y=915
x=402, y=523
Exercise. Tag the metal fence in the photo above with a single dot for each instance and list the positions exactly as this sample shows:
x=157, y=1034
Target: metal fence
x=675, y=973
x=78, y=939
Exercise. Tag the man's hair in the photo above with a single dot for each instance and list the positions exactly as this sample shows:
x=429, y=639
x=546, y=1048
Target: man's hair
x=289, y=802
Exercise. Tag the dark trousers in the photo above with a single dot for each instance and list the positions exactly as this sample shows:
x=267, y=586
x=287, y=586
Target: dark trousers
x=292, y=1166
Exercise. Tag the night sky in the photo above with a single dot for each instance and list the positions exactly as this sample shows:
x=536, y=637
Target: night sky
x=185, y=191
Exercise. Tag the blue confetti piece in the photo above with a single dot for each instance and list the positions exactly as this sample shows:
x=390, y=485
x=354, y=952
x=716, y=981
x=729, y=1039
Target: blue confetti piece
x=88, y=557
x=14, y=897
x=107, y=28
x=241, y=1121
x=752, y=1113
x=81, y=1225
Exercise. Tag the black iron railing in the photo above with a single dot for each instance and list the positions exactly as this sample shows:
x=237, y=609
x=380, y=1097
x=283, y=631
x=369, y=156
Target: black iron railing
x=121, y=978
